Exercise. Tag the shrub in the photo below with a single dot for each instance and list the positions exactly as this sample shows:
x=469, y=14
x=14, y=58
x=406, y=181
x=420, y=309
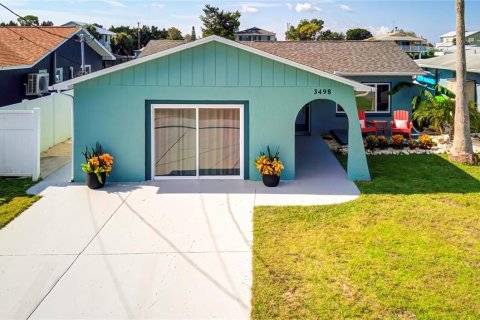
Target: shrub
x=397, y=140
x=412, y=143
x=425, y=141
x=382, y=141
x=371, y=142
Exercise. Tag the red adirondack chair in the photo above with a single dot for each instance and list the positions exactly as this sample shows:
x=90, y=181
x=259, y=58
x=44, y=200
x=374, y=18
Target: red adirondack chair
x=368, y=126
x=401, y=115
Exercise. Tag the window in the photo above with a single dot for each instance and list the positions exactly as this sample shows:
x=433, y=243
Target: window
x=88, y=68
x=58, y=75
x=372, y=102
x=72, y=73
x=43, y=71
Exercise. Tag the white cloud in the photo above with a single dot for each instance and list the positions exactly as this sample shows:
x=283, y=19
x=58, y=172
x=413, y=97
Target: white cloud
x=248, y=9
x=158, y=5
x=378, y=30
x=114, y=3
x=289, y=6
x=306, y=7
x=346, y=8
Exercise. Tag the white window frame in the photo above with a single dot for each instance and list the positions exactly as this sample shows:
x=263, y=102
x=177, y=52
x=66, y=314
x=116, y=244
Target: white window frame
x=197, y=107
x=376, y=101
x=72, y=74
x=88, y=68
x=43, y=71
x=61, y=75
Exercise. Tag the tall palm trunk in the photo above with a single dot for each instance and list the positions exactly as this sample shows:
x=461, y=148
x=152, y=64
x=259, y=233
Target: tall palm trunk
x=462, y=150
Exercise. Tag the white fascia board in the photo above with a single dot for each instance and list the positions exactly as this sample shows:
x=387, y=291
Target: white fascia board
x=99, y=48
x=23, y=66
x=69, y=83
x=352, y=74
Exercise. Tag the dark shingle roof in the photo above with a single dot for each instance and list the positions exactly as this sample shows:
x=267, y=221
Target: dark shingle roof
x=328, y=56
x=343, y=56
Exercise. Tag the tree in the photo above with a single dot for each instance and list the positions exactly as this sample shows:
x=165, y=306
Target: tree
x=462, y=149
x=93, y=31
x=122, y=44
x=174, y=34
x=9, y=24
x=46, y=23
x=29, y=20
x=358, y=34
x=305, y=30
x=220, y=23
x=407, y=33
x=331, y=35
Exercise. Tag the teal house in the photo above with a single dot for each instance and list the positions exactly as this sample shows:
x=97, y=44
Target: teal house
x=205, y=109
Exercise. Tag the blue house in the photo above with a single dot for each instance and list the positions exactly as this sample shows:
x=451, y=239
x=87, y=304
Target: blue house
x=32, y=58
x=442, y=70
x=205, y=109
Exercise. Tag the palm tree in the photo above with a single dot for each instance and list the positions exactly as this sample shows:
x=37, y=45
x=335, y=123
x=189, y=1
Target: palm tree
x=462, y=149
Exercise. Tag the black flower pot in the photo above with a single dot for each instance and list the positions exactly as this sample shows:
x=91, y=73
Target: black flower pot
x=271, y=180
x=92, y=180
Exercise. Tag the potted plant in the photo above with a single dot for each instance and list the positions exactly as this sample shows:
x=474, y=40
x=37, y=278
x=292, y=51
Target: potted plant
x=97, y=167
x=270, y=167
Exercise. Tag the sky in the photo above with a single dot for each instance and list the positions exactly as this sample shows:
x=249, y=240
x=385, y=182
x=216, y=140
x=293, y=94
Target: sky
x=427, y=18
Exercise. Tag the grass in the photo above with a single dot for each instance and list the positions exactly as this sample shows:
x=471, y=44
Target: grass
x=408, y=248
x=13, y=198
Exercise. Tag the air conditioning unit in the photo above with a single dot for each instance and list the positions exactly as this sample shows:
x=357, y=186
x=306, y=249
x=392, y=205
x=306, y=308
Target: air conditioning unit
x=37, y=83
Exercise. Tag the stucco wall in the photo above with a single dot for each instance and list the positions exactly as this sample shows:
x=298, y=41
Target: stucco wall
x=111, y=109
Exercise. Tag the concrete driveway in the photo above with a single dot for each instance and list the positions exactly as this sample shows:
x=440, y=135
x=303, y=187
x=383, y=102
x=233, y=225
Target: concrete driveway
x=171, y=249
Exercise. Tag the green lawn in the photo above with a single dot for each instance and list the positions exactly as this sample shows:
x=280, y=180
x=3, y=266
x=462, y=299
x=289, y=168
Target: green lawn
x=408, y=248
x=13, y=198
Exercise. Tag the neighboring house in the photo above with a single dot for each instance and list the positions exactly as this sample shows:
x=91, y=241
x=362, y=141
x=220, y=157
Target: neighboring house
x=105, y=35
x=447, y=42
x=414, y=46
x=443, y=70
x=471, y=37
x=32, y=58
x=206, y=108
x=255, y=34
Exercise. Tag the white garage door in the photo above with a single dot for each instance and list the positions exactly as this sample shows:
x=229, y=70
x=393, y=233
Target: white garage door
x=197, y=141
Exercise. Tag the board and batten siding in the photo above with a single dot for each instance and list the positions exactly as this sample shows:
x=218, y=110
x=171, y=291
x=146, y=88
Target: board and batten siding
x=214, y=65
x=111, y=109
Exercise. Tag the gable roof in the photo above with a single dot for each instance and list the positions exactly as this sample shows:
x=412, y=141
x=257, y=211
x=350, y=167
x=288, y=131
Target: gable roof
x=454, y=33
x=17, y=52
x=345, y=57
x=334, y=57
x=256, y=31
x=100, y=30
x=154, y=46
x=448, y=61
x=396, y=36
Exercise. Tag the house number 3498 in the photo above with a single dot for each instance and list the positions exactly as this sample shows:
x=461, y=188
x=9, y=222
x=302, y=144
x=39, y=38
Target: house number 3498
x=322, y=91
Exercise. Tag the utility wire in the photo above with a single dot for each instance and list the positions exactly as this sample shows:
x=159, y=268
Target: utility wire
x=35, y=26
x=49, y=50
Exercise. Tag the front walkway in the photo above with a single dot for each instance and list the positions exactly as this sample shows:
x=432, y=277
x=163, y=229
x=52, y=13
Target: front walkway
x=171, y=249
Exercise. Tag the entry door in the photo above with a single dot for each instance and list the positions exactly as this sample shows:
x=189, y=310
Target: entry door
x=197, y=141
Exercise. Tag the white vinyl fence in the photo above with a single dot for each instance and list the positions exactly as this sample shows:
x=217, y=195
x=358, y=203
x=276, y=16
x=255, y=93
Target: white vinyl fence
x=20, y=143
x=55, y=117
x=31, y=127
